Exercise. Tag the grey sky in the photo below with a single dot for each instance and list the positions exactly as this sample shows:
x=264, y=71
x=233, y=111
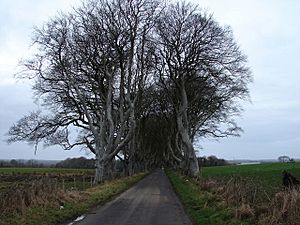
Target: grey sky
x=268, y=33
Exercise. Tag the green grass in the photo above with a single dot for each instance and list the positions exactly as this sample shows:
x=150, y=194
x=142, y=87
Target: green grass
x=267, y=176
x=51, y=214
x=203, y=207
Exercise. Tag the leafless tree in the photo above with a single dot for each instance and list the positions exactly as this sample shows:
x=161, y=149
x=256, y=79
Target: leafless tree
x=91, y=66
x=139, y=80
x=204, y=73
x=284, y=158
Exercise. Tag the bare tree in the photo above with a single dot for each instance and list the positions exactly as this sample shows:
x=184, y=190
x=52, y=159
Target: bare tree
x=284, y=159
x=134, y=80
x=91, y=67
x=204, y=72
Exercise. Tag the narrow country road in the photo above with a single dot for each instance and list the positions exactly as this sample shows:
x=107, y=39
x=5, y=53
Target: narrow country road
x=150, y=202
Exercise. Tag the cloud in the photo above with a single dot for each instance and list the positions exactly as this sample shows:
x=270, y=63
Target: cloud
x=267, y=32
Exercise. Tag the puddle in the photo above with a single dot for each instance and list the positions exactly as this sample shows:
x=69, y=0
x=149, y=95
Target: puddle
x=77, y=219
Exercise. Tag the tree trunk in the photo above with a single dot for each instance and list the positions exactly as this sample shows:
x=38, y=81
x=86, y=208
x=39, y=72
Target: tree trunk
x=100, y=162
x=192, y=162
x=183, y=126
x=99, y=173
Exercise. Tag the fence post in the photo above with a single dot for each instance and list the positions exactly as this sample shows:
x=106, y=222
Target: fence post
x=74, y=179
x=63, y=183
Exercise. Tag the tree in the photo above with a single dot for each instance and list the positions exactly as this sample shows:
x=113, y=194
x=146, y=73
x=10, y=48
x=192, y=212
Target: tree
x=89, y=71
x=284, y=158
x=204, y=73
x=135, y=80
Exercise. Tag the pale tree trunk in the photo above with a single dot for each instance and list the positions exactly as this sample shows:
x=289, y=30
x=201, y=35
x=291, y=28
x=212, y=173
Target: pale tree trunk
x=100, y=162
x=98, y=136
x=182, y=123
x=106, y=126
x=173, y=155
x=191, y=158
x=99, y=172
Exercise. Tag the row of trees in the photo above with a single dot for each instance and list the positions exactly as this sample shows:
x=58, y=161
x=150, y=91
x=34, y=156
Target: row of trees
x=85, y=163
x=80, y=162
x=137, y=80
x=22, y=163
x=211, y=161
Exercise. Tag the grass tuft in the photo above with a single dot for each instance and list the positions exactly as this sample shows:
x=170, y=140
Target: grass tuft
x=284, y=209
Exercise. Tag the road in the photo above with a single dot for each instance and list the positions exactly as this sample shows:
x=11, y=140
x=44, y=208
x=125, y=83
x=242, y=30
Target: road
x=150, y=202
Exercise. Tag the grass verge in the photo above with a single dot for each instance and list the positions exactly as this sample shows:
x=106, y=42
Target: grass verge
x=203, y=207
x=80, y=203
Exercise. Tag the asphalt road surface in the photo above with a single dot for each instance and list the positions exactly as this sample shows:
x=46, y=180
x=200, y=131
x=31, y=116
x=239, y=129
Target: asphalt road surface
x=150, y=202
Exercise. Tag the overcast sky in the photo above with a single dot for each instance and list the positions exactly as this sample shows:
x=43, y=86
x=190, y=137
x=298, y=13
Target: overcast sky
x=268, y=33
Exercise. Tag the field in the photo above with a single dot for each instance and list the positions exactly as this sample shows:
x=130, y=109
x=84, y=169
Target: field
x=79, y=179
x=33, y=196
x=240, y=194
x=267, y=176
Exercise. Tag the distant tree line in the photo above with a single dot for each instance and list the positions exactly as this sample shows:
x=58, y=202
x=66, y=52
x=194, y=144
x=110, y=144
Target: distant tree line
x=83, y=162
x=211, y=161
x=80, y=162
x=21, y=163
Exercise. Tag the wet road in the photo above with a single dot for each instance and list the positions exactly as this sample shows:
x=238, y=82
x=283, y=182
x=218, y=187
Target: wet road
x=151, y=201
